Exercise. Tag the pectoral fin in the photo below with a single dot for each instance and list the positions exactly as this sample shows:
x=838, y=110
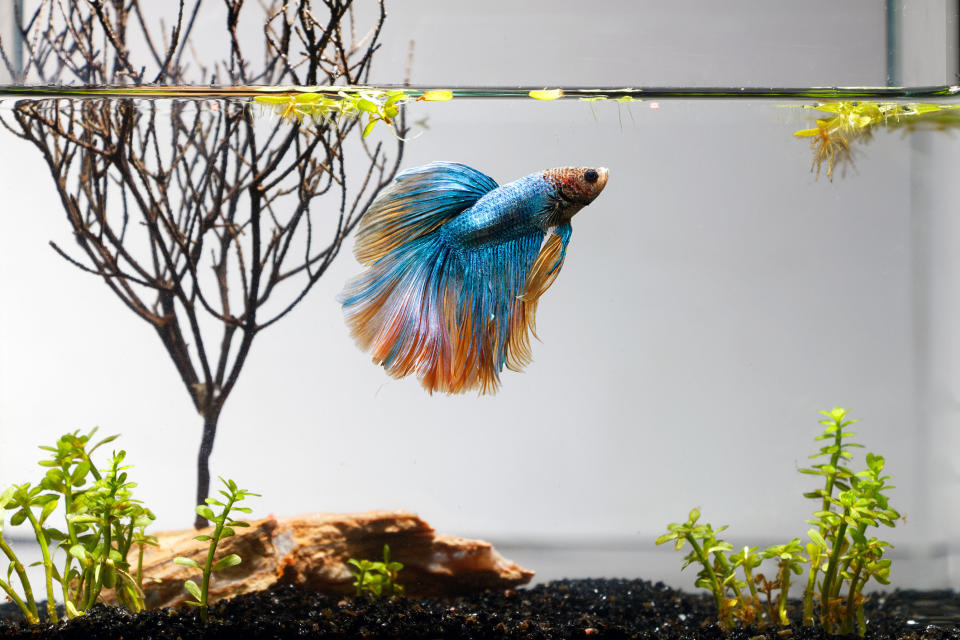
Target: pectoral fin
x=544, y=271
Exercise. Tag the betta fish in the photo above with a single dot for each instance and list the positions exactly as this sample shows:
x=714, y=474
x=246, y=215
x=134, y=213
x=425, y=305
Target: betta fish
x=455, y=266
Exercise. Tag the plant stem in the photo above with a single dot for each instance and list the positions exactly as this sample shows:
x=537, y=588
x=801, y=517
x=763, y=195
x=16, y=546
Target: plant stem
x=29, y=615
x=47, y=564
x=861, y=621
x=808, y=591
x=826, y=591
x=29, y=611
x=717, y=587
x=722, y=560
x=755, y=597
x=140, y=566
x=862, y=528
x=782, y=599
x=96, y=585
x=825, y=506
x=71, y=534
x=208, y=567
x=852, y=606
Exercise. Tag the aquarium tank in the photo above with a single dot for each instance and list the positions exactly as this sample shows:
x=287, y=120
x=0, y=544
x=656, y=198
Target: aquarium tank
x=206, y=244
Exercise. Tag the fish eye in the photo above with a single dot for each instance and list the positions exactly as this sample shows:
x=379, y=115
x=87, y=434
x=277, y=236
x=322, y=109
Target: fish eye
x=590, y=176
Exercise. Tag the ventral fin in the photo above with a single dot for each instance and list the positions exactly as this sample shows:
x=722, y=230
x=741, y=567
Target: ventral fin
x=416, y=204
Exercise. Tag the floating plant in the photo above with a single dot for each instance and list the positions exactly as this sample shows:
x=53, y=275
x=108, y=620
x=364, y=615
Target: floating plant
x=333, y=104
x=546, y=94
x=375, y=104
x=856, y=120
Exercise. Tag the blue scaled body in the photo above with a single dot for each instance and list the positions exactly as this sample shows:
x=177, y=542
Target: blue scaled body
x=455, y=265
x=515, y=209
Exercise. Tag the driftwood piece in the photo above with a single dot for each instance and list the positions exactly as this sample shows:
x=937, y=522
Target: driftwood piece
x=312, y=551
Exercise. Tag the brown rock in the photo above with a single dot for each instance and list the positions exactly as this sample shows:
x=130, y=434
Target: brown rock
x=312, y=551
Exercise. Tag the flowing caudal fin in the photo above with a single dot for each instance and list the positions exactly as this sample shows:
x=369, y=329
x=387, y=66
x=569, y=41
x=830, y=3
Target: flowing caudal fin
x=452, y=318
x=415, y=204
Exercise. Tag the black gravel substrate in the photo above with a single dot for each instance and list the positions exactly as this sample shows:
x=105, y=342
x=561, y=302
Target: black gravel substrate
x=563, y=609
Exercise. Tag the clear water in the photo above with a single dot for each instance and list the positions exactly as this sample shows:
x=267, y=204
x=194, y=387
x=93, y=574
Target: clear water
x=716, y=295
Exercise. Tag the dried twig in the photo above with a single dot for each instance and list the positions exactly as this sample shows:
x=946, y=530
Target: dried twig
x=195, y=211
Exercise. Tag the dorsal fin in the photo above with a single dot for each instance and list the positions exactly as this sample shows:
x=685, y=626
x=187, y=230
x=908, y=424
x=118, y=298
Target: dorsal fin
x=417, y=202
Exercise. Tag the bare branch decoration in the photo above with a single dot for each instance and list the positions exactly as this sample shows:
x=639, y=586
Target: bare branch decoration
x=208, y=224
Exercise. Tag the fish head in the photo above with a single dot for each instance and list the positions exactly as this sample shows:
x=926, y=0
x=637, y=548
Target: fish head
x=576, y=187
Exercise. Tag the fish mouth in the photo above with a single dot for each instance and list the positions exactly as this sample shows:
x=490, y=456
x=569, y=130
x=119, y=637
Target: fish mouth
x=603, y=174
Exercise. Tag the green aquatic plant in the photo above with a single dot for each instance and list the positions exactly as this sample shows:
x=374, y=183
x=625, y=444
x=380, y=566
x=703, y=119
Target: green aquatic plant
x=839, y=541
x=223, y=528
x=750, y=612
x=841, y=558
x=102, y=522
x=789, y=558
x=111, y=519
x=716, y=574
x=378, y=578
x=853, y=121
x=375, y=104
x=331, y=105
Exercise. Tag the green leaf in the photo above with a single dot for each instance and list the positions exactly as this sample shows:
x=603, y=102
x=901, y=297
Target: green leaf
x=213, y=502
x=817, y=539
x=369, y=128
x=193, y=590
x=48, y=509
x=205, y=512
x=18, y=518
x=226, y=562
x=80, y=473
x=45, y=498
x=203, y=537
x=107, y=439
x=80, y=553
x=857, y=537
x=6, y=496
x=54, y=534
x=226, y=532
x=186, y=562
x=143, y=520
